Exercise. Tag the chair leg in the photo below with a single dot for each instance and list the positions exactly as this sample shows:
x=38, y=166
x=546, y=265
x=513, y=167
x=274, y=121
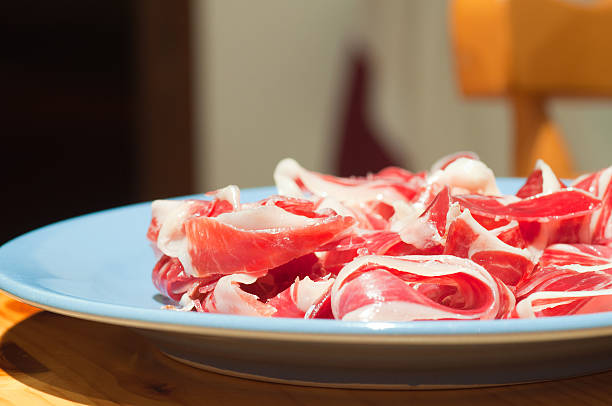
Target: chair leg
x=536, y=137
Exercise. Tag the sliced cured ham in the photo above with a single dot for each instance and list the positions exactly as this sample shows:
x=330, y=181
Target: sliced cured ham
x=570, y=279
x=168, y=216
x=576, y=254
x=465, y=175
x=280, y=278
x=414, y=287
x=426, y=233
x=305, y=298
x=559, y=205
x=468, y=239
x=600, y=222
x=254, y=240
x=170, y=279
x=369, y=199
x=541, y=181
x=391, y=246
x=446, y=160
x=388, y=185
x=461, y=173
x=337, y=254
x=229, y=298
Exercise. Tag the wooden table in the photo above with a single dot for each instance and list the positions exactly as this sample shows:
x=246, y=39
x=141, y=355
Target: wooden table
x=51, y=359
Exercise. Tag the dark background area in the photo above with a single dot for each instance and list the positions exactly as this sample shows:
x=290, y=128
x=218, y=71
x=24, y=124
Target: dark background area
x=95, y=107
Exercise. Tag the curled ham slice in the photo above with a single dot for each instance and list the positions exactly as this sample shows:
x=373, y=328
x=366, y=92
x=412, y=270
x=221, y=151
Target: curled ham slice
x=304, y=298
x=368, y=199
x=168, y=216
x=564, y=303
x=576, y=254
x=468, y=239
x=446, y=160
x=600, y=221
x=541, y=180
x=562, y=204
x=461, y=173
x=570, y=279
x=254, y=240
x=427, y=231
x=464, y=175
x=228, y=297
x=414, y=287
x=337, y=254
x=388, y=185
x=170, y=278
x=280, y=278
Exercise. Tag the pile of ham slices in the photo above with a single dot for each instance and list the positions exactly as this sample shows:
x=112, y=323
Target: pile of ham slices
x=392, y=246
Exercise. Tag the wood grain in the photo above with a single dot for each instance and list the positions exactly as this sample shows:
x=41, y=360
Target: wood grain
x=49, y=359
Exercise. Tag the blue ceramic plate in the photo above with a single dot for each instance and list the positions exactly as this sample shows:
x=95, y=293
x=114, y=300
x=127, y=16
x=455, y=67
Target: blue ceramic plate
x=98, y=267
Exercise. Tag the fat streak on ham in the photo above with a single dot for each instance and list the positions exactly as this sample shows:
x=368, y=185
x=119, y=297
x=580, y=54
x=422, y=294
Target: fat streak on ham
x=391, y=246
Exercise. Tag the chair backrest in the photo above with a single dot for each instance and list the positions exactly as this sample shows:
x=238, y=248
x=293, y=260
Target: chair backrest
x=530, y=51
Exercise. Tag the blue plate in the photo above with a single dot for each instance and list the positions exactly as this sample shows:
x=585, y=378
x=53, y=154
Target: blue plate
x=98, y=267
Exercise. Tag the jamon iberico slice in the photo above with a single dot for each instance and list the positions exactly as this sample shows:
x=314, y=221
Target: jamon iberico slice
x=468, y=239
x=388, y=185
x=170, y=278
x=254, y=240
x=541, y=180
x=559, y=205
x=600, y=220
x=368, y=199
x=416, y=287
x=570, y=279
x=166, y=229
x=304, y=298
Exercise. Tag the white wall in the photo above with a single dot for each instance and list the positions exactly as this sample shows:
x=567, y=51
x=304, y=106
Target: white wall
x=269, y=85
x=270, y=74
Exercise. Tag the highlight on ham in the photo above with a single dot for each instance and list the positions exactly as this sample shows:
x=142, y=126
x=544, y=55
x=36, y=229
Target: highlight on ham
x=391, y=246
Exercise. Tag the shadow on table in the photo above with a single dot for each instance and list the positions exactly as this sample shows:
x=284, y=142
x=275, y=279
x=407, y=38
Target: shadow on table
x=93, y=363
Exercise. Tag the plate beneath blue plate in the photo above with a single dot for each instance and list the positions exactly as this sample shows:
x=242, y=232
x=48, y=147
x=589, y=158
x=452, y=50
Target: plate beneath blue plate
x=98, y=267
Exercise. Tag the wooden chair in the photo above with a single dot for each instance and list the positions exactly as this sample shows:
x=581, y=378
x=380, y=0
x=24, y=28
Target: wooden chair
x=530, y=51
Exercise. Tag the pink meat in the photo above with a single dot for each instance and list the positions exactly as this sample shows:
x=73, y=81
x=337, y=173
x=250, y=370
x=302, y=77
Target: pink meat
x=337, y=254
x=600, y=221
x=562, y=204
x=254, y=240
x=541, y=180
x=570, y=279
x=384, y=288
x=176, y=211
x=579, y=254
x=368, y=199
x=443, y=162
x=304, y=298
x=194, y=208
x=280, y=278
x=426, y=234
x=228, y=297
x=392, y=246
x=468, y=239
x=462, y=175
x=170, y=279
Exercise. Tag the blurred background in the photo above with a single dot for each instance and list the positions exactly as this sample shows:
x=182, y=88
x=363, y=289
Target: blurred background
x=111, y=102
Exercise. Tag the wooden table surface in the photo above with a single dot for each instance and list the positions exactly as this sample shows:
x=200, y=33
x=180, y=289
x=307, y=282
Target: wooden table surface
x=49, y=359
